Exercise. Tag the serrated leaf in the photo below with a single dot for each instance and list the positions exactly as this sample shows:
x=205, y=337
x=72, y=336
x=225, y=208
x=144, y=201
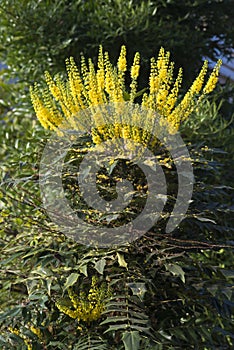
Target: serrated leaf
x=71, y=280
x=83, y=269
x=115, y=328
x=114, y=320
x=100, y=265
x=131, y=340
x=138, y=289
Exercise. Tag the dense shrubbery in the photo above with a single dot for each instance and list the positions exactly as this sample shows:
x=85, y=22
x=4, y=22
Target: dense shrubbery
x=40, y=35
x=162, y=291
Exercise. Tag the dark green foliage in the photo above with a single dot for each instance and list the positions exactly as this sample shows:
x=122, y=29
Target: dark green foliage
x=39, y=35
x=170, y=291
x=174, y=290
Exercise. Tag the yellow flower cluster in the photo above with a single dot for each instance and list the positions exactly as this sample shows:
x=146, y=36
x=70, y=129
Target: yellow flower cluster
x=26, y=340
x=88, y=87
x=89, y=307
x=36, y=331
x=212, y=81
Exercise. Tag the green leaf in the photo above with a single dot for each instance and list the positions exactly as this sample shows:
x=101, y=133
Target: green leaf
x=110, y=167
x=100, y=265
x=121, y=260
x=138, y=289
x=204, y=219
x=131, y=340
x=176, y=270
x=48, y=285
x=12, y=313
x=83, y=269
x=71, y=280
x=58, y=344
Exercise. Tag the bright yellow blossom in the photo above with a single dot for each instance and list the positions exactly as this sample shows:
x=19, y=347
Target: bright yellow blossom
x=89, y=86
x=36, y=331
x=89, y=307
x=122, y=61
x=212, y=81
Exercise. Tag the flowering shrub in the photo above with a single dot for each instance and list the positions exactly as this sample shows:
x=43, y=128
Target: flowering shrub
x=90, y=87
x=161, y=296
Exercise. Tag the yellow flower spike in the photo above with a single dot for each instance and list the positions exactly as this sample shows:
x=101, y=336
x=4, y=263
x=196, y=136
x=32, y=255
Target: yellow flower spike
x=66, y=101
x=37, y=103
x=182, y=111
x=161, y=99
x=92, y=86
x=213, y=79
x=122, y=67
x=43, y=114
x=101, y=71
x=109, y=78
x=75, y=84
x=14, y=330
x=28, y=344
x=170, y=74
x=55, y=115
x=135, y=69
x=162, y=67
x=36, y=331
x=172, y=97
x=55, y=91
x=153, y=80
x=122, y=61
x=66, y=310
x=188, y=103
x=84, y=69
x=161, y=57
x=198, y=82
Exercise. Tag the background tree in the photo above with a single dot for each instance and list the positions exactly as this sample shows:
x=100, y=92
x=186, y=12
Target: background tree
x=39, y=35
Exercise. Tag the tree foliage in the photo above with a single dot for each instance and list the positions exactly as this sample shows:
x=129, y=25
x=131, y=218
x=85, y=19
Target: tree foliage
x=39, y=35
x=166, y=291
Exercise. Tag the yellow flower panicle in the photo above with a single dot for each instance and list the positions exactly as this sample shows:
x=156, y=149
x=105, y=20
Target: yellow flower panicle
x=101, y=72
x=173, y=95
x=198, y=82
x=153, y=79
x=213, y=79
x=92, y=86
x=122, y=61
x=54, y=89
x=86, y=308
x=36, y=331
x=134, y=75
x=75, y=84
x=122, y=67
x=45, y=115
